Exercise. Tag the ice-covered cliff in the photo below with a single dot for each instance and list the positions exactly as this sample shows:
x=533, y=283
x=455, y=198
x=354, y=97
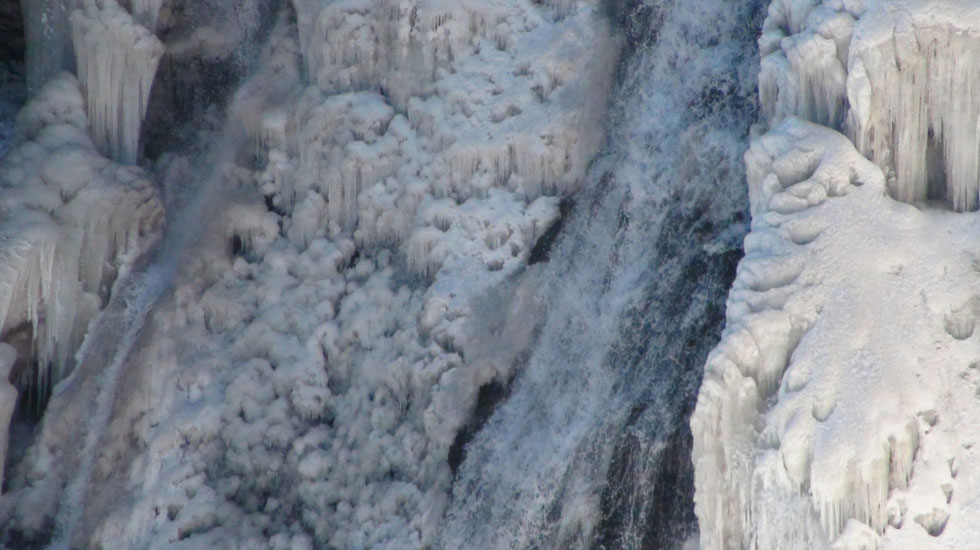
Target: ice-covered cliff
x=835, y=411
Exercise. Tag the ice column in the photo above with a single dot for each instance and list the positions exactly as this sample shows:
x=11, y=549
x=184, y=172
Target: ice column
x=117, y=59
x=914, y=111
x=8, y=398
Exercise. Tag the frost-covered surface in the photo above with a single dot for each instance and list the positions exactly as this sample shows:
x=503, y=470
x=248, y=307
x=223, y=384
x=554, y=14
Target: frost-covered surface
x=835, y=411
x=303, y=382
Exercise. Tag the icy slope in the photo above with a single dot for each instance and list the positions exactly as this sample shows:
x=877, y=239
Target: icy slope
x=835, y=410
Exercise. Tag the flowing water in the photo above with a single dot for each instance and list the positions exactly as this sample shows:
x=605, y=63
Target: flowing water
x=592, y=447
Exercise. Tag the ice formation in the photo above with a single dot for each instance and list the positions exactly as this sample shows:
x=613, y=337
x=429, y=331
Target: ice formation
x=833, y=412
x=117, y=59
x=897, y=76
x=8, y=399
x=70, y=217
x=384, y=165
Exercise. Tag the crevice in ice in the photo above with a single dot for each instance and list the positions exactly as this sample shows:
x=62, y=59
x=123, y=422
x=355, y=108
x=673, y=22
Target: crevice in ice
x=934, y=523
x=210, y=48
x=48, y=40
x=541, y=252
x=488, y=397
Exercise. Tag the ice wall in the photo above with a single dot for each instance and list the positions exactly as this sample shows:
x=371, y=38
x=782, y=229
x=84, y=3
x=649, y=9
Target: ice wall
x=897, y=77
x=304, y=382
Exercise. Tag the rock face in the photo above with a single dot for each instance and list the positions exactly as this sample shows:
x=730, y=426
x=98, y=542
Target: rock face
x=833, y=412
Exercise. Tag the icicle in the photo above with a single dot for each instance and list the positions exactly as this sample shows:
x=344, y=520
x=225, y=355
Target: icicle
x=916, y=94
x=117, y=60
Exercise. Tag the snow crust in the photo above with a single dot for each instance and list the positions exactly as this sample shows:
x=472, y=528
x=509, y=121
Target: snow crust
x=834, y=411
x=383, y=174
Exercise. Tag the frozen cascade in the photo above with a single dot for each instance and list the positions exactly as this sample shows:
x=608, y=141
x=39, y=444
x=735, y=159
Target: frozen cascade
x=62, y=247
x=591, y=447
x=897, y=76
x=117, y=60
x=360, y=294
x=120, y=325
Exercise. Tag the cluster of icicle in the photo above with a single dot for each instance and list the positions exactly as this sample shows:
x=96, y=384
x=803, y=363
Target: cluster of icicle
x=69, y=217
x=72, y=213
x=898, y=78
x=391, y=117
x=113, y=51
x=117, y=60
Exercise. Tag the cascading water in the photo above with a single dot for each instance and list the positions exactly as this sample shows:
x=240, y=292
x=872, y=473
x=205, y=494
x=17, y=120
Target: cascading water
x=591, y=448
